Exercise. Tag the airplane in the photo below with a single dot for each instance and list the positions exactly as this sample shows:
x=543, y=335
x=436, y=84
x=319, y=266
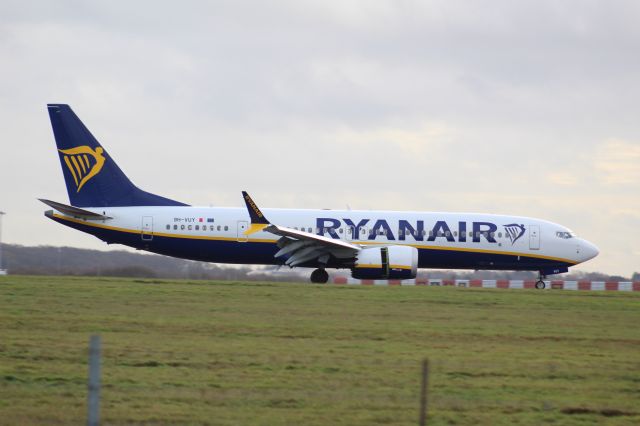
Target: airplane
x=385, y=245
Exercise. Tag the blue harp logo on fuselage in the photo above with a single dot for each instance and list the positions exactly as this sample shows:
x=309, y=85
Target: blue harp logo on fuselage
x=514, y=231
x=83, y=163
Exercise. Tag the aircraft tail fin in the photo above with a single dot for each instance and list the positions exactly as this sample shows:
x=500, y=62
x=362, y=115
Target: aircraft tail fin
x=92, y=177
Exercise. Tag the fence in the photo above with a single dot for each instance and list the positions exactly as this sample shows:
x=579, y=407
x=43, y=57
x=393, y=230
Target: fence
x=506, y=284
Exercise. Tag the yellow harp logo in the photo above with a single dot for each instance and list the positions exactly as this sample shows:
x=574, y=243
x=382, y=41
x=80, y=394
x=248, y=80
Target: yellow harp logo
x=83, y=163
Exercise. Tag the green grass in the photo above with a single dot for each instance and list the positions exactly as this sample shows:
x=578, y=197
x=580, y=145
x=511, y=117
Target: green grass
x=270, y=354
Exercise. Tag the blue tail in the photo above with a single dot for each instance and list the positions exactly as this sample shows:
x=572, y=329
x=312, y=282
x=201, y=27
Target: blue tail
x=93, y=178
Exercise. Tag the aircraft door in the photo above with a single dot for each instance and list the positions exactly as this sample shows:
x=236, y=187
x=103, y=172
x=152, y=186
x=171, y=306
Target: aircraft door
x=147, y=228
x=242, y=228
x=534, y=237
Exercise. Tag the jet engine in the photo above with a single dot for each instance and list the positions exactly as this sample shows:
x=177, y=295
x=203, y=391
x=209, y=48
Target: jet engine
x=391, y=262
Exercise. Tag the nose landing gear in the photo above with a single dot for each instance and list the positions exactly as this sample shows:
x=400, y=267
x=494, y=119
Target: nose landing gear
x=319, y=276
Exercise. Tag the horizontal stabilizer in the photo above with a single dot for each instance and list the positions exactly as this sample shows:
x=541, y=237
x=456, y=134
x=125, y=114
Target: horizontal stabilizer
x=74, y=211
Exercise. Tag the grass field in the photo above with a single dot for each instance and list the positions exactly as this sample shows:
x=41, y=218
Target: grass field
x=271, y=354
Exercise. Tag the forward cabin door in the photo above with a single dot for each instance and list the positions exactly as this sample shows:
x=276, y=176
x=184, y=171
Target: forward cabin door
x=534, y=237
x=147, y=228
x=242, y=227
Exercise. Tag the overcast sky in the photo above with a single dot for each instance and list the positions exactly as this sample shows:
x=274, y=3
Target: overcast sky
x=526, y=108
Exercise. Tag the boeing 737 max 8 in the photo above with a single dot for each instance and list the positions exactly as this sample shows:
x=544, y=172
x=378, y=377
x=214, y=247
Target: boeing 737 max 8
x=372, y=244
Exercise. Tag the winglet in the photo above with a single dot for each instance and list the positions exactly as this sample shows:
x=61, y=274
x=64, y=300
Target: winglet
x=258, y=221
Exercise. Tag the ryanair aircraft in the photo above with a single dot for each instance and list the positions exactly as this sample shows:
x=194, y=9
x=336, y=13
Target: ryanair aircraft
x=372, y=244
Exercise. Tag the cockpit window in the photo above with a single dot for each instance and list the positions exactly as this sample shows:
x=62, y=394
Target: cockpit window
x=564, y=234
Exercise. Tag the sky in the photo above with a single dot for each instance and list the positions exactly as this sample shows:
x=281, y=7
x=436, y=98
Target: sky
x=524, y=108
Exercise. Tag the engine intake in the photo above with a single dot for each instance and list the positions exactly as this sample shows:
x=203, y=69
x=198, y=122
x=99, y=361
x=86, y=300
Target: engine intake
x=392, y=262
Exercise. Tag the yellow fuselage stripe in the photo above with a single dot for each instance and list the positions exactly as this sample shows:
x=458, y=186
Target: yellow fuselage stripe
x=374, y=266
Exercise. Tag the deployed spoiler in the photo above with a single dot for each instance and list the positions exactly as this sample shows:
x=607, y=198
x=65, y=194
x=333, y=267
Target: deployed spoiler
x=74, y=211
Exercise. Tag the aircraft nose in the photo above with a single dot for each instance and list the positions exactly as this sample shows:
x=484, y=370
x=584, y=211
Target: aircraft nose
x=588, y=250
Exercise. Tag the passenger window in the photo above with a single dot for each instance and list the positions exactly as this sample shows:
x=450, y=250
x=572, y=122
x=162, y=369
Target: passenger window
x=211, y=228
x=493, y=234
x=226, y=228
x=218, y=227
x=168, y=226
x=499, y=234
x=175, y=227
x=197, y=227
x=455, y=233
x=447, y=233
x=189, y=227
x=470, y=233
x=182, y=227
x=431, y=233
x=340, y=230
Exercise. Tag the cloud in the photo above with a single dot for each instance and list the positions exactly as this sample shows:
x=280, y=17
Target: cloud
x=562, y=178
x=618, y=162
x=424, y=142
x=411, y=105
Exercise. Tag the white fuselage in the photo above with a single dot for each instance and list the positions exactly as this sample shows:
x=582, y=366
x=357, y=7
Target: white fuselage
x=444, y=240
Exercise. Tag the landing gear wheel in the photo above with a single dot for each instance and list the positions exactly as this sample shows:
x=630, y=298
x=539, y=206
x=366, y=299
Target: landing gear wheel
x=319, y=276
x=540, y=285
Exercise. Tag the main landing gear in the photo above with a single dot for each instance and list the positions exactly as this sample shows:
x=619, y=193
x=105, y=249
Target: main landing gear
x=319, y=276
x=540, y=284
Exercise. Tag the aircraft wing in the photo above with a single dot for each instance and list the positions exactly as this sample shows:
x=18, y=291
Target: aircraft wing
x=300, y=247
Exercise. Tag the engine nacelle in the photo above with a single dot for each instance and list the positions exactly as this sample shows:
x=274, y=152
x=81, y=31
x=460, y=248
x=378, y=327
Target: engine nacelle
x=392, y=262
